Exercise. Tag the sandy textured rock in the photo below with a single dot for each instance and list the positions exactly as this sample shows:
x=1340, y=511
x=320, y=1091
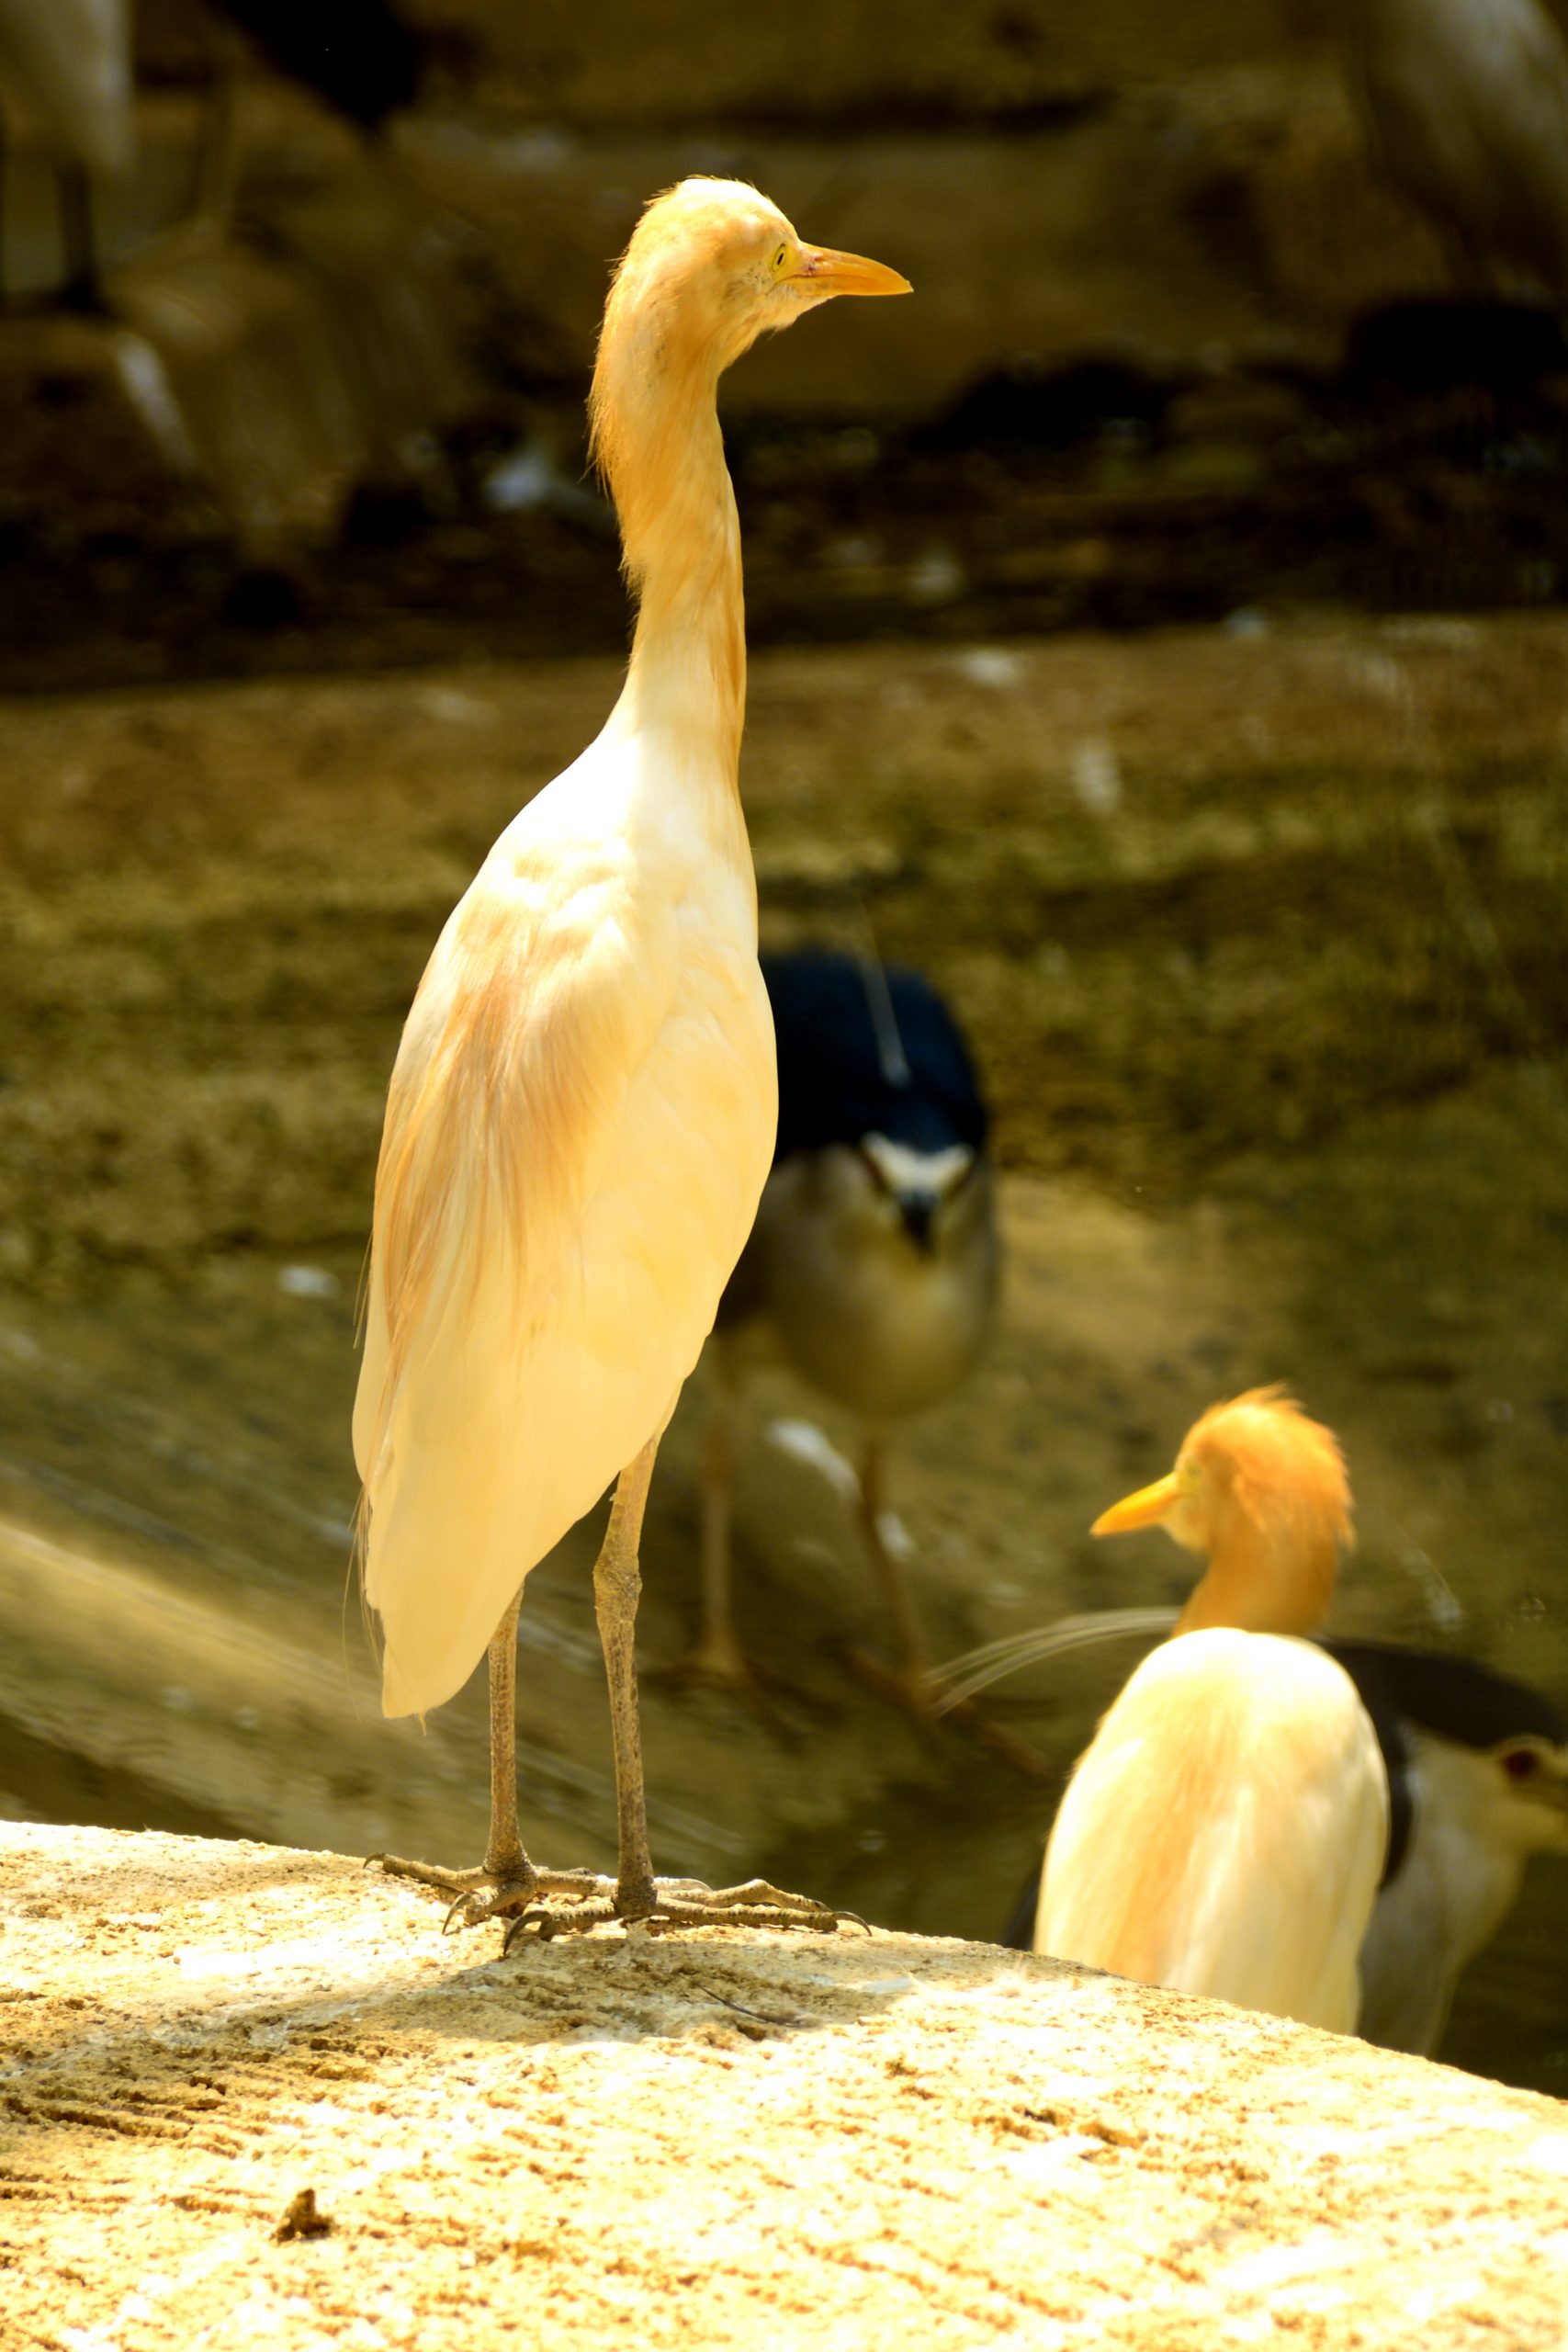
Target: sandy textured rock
x=715, y=2139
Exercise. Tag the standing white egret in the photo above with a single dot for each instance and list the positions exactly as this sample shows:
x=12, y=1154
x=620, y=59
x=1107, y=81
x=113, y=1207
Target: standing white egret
x=581, y=1114
x=1225, y=1831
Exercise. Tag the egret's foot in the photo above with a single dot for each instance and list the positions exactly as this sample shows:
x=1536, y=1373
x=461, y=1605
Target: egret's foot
x=678, y=1903
x=480, y=1894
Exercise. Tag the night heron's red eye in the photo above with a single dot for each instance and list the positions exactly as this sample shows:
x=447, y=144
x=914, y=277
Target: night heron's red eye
x=1521, y=1763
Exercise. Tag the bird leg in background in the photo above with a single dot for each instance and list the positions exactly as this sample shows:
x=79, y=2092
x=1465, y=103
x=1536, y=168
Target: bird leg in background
x=718, y=1656
x=900, y=1608
x=911, y=1684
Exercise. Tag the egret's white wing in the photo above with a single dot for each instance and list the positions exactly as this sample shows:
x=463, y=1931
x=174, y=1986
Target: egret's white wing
x=579, y=1127
x=1225, y=1830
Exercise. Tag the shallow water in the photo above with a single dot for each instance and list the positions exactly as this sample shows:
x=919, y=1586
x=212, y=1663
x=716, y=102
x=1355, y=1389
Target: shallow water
x=1262, y=951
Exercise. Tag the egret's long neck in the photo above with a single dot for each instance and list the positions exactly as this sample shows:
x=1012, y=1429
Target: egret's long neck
x=1283, y=1586
x=664, y=455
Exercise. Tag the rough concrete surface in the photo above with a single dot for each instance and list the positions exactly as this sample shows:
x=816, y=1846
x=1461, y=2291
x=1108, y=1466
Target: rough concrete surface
x=704, y=2140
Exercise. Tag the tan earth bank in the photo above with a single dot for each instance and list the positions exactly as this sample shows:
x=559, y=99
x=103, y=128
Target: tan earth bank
x=706, y=2140
x=1258, y=935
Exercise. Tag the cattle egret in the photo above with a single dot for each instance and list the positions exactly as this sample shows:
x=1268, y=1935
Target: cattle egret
x=582, y=1109
x=1467, y=105
x=1477, y=1767
x=871, y=1267
x=1476, y=1763
x=1225, y=1831
x=67, y=63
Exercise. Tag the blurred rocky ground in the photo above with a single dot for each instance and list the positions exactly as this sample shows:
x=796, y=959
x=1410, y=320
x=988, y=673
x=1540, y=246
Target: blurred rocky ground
x=1174, y=349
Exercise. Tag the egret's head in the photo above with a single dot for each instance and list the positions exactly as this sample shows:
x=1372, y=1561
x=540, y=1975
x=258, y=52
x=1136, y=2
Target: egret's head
x=712, y=265
x=1261, y=1491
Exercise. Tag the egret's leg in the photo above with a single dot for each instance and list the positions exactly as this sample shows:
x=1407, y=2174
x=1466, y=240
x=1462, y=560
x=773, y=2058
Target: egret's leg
x=507, y=1880
x=504, y=1856
x=661, y=1903
x=617, y=1586
x=542, y=1902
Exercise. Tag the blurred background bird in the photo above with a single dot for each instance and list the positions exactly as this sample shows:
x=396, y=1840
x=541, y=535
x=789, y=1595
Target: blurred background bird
x=65, y=66
x=584, y=1107
x=873, y=1266
x=1475, y=1763
x=1466, y=103
x=1477, y=1766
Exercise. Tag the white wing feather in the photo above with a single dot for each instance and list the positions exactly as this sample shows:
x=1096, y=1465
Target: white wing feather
x=1224, y=1832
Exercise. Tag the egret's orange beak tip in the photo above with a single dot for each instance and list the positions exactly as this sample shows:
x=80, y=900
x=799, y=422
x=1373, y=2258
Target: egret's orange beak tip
x=837, y=273
x=1145, y=1509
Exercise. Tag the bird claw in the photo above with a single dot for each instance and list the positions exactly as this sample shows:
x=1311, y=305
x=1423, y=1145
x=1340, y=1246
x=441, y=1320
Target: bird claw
x=680, y=1903
x=477, y=1895
x=547, y=1904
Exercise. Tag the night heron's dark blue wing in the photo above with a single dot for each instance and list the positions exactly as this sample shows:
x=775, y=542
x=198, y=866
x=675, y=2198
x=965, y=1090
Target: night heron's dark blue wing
x=866, y=1048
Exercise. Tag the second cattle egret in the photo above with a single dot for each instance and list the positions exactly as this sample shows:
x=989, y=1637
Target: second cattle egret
x=582, y=1110
x=1467, y=104
x=1476, y=1762
x=1225, y=1831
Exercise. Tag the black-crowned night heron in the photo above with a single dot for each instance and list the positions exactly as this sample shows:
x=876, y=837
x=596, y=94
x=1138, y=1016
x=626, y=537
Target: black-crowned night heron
x=871, y=1269
x=1477, y=1768
x=582, y=1111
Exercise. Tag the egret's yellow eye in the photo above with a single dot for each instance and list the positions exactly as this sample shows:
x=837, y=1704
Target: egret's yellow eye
x=780, y=258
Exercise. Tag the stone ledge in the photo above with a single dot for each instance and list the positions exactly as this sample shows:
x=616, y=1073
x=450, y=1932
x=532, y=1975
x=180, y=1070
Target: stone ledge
x=715, y=2139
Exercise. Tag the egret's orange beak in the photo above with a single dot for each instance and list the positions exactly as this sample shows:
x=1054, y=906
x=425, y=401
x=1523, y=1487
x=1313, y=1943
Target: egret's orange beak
x=1145, y=1509
x=847, y=272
